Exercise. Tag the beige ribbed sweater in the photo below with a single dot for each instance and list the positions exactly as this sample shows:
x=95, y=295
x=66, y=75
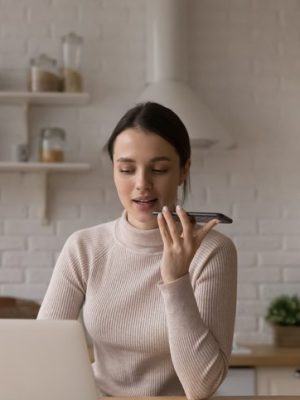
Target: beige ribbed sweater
x=149, y=338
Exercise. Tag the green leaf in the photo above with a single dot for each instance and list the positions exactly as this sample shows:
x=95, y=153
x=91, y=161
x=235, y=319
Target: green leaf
x=284, y=310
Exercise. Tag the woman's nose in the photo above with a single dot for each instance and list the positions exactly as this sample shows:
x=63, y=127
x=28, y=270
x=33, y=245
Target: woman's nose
x=143, y=181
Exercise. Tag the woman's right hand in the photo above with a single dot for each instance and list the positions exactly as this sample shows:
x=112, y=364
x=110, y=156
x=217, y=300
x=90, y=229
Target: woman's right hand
x=179, y=248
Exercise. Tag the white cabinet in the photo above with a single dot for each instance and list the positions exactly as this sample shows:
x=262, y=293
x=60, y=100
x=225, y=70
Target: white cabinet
x=277, y=369
x=278, y=381
x=24, y=100
x=261, y=381
x=239, y=381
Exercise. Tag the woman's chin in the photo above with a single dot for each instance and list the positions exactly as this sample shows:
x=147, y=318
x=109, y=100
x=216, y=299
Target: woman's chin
x=143, y=220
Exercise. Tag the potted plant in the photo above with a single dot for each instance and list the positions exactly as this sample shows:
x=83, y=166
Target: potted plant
x=284, y=315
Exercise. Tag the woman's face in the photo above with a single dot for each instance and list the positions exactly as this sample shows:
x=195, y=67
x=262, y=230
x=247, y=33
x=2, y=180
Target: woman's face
x=147, y=174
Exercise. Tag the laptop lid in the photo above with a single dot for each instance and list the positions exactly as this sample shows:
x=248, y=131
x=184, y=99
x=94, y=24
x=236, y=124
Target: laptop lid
x=44, y=360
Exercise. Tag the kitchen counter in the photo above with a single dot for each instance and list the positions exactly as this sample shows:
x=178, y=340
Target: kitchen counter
x=260, y=356
x=267, y=356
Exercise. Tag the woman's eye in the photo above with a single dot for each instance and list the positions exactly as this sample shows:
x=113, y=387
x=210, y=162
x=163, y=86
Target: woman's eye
x=159, y=171
x=126, y=171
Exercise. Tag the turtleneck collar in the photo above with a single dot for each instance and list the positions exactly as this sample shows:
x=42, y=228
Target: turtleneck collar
x=140, y=240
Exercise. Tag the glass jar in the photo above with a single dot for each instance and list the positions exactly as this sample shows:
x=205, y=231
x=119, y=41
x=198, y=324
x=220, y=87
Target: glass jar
x=71, y=55
x=44, y=74
x=52, y=144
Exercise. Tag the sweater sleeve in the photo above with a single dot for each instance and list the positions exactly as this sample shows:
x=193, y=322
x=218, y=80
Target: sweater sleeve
x=200, y=313
x=66, y=291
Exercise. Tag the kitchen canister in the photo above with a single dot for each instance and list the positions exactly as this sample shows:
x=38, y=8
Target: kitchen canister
x=44, y=75
x=71, y=54
x=52, y=144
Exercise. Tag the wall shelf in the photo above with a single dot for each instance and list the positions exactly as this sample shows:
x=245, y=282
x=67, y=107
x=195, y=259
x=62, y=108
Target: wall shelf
x=24, y=100
x=43, y=167
x=42, y=170
x=43, y=98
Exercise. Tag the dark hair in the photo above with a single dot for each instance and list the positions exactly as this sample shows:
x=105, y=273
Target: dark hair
x=156, y=118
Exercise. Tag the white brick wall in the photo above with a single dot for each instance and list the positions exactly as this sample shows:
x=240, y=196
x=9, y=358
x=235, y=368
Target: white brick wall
x=244, y=60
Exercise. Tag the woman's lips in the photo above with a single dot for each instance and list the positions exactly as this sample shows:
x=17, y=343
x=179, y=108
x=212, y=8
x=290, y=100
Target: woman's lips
x=144, y=205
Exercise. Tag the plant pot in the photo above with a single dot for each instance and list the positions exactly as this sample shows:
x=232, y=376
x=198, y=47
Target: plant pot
x=286, y=336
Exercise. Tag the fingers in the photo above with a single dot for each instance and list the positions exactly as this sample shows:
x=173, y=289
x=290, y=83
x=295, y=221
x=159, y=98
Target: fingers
x=173, y=231
x=171, y=225
x=187, y=224
x=206, y=228
x=164, y=230
x=170, y=230
x=209, y=225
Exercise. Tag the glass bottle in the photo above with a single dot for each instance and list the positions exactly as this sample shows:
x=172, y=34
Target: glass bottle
x=52, y=144
x=71, y=54
x=44, y=74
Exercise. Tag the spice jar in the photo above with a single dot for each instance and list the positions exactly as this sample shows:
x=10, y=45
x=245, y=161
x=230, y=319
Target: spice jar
x=71, y=55
x=44, y=74
x=52, y=145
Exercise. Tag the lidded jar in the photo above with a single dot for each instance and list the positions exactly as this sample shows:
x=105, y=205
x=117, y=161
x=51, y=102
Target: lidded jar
x=71, y=55
x=44, y=74
x=52, y=144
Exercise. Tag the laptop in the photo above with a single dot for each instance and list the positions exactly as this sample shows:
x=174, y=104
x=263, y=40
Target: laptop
x=44, y=360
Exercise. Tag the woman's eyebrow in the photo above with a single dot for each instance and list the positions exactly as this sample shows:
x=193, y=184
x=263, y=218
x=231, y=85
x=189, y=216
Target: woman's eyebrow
x=125, y=159
x=155, y=159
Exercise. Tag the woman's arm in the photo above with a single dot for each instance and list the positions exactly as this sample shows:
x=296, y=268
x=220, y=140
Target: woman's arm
x=66, y=292
x=199, y=271
x=200, y=314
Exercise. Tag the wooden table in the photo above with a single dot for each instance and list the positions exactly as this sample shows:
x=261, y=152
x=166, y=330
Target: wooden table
x=212, y=398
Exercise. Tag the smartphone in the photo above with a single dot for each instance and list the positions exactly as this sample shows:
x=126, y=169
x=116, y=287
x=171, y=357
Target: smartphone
x=203, y=216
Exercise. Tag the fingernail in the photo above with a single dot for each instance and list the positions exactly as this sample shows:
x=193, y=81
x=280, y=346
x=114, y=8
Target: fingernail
x=165, y=208
x=178, y=207
x=159, y=215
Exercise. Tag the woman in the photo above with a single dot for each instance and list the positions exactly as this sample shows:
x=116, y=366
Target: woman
x=158, y=296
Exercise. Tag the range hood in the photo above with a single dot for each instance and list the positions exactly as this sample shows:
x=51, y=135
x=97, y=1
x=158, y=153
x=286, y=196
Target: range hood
x=167, y=46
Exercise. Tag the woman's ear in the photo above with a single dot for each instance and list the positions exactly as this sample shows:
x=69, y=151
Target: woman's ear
x=184, y=171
